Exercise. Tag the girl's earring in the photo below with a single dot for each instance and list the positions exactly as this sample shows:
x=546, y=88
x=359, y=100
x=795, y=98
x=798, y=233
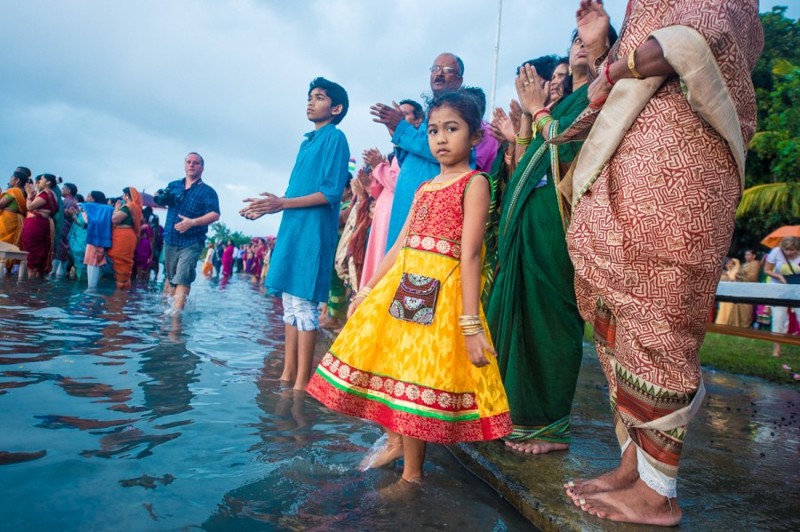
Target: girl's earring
x=569, y=69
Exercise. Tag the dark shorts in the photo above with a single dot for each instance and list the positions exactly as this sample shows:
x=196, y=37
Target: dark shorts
x=180, y=263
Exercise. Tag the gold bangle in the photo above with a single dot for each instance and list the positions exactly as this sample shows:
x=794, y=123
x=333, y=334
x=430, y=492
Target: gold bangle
x=471, y=331
x=363, y=293
x=523, y=141
x=632, y=65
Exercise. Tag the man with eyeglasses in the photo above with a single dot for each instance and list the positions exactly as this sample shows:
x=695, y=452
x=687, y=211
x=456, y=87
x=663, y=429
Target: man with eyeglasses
x=192, y=207
x=417, y=163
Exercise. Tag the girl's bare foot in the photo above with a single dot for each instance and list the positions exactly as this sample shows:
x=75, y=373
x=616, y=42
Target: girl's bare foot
x=636, y=504
x=400, y=490
x=537, y=446
x=383, y=455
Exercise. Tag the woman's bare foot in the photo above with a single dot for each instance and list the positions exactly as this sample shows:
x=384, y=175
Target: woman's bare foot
x=636, y=504
x=622, y=477
x=537, y=446
x=384, y=455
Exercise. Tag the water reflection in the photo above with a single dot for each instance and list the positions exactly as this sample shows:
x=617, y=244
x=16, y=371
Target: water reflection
x=180, y=422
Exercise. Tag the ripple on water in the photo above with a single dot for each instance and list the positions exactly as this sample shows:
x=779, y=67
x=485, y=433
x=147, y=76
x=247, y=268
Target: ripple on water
x=175, y=422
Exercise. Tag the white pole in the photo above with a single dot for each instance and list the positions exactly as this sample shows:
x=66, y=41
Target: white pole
x=496, y=55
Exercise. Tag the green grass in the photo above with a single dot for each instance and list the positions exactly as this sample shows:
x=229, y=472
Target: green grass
x=744, y=356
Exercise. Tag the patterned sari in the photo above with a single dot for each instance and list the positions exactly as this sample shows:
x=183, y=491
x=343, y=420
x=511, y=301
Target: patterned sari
x=532, y=312
x=654, y=194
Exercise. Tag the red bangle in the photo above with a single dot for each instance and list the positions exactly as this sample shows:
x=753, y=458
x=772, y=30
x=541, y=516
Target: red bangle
x=608, y=76
x=542, y=110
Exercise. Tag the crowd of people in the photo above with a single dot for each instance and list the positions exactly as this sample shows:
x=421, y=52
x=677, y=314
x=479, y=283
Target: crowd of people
x=223, y=259
x=463, y=265
x=604, y=194
x=780, y=265
x=68, y=235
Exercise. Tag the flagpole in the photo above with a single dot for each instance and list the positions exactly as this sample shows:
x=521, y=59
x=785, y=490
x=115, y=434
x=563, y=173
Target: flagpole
x=496, y=55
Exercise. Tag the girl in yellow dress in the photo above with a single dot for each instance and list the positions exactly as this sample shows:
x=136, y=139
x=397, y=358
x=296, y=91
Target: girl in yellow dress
x=415, y=355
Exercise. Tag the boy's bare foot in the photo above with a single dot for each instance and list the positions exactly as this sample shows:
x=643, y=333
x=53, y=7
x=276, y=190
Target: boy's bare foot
x=537, y=446
x=636, y=504
x=384, y=455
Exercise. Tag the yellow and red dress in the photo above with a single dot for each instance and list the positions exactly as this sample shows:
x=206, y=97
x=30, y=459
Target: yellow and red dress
x=411, y=378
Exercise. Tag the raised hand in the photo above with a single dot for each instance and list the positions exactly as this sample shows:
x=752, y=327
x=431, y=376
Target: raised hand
x=592, y=21
x=503, y=126
x=258, y=207
x=372, y=157
x=515, y=114
x=532, y=90
x=389, y=116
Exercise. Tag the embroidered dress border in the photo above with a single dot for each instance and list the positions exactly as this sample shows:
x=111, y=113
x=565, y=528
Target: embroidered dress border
x=410, y=397
x=408, y=423
x=434, y=244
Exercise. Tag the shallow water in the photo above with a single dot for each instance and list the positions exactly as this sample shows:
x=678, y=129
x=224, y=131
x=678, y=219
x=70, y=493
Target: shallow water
x=117, y=416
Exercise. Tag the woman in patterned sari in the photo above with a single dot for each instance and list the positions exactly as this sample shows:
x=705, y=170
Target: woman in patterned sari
x=41, y=224
x=654, y=193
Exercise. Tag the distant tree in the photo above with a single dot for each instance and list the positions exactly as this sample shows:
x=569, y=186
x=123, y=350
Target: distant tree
x=219, y=232
x=772, y=194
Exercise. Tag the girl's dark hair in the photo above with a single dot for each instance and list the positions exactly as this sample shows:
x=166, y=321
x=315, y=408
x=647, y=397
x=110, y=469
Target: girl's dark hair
x=79, y=198
x=98, y=196
x=462, y=103
x=72, y=189
x=480, y=97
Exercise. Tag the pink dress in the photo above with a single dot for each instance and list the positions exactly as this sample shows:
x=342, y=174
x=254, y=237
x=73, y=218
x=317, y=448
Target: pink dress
x=386, y=176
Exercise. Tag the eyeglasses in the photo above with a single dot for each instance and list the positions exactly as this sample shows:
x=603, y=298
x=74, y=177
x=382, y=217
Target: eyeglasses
x=444, y=69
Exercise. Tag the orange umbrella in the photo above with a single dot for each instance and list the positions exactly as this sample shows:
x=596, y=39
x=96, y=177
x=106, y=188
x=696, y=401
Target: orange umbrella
x=774, y=238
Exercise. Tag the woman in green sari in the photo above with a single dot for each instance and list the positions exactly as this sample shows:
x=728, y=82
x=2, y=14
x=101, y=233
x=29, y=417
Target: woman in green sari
x=532, y=313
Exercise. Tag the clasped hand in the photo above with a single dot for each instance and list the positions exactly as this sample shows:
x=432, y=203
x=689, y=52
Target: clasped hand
x=258, y=207
x=389, y=116
x=532, y=90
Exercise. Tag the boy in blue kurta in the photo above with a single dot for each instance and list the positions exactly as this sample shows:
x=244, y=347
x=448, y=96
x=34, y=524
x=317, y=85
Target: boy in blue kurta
x=302, y=262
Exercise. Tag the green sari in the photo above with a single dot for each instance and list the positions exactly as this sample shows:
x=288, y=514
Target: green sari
x=532, y=313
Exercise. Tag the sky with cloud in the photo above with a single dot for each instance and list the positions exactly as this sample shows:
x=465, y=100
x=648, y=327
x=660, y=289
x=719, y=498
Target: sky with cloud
x=112, y=94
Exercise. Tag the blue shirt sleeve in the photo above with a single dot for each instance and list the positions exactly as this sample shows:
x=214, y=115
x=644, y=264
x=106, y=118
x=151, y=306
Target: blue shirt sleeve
x=211, y=201
x=333, y=163
x=413, y=140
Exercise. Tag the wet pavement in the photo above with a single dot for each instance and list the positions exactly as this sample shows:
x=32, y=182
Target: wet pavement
x=740, y=468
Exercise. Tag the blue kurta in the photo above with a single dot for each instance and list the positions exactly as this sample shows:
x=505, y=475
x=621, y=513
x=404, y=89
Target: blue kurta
x=302, y=261
x=417, y=165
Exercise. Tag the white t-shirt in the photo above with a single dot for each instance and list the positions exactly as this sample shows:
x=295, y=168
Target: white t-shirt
x=777, y=257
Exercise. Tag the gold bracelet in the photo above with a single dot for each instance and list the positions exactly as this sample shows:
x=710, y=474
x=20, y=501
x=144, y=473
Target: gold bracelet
x=469, y=319
x=472, y=330
x=523, y=141
x=363, y=293
x=632, y=65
